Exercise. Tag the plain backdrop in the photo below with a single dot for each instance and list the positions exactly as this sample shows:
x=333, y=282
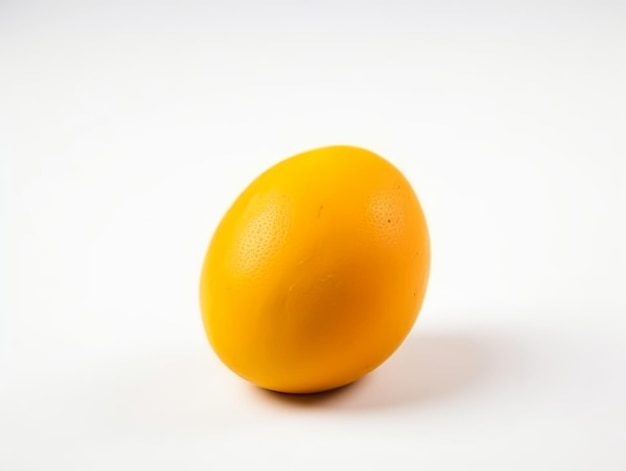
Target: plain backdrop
x=126, y=130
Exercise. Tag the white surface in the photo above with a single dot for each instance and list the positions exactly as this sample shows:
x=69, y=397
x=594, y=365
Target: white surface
x=127, y=128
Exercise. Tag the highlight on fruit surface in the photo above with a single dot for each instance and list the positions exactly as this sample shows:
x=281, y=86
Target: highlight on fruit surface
x=316, y=273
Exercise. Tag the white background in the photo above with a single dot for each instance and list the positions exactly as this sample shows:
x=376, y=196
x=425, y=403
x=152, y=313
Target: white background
x=126, y=130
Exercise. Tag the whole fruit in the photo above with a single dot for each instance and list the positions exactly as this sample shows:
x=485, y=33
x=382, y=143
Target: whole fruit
x=317, y=272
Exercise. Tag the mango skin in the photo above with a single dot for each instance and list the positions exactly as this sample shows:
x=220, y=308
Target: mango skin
x=317, y=272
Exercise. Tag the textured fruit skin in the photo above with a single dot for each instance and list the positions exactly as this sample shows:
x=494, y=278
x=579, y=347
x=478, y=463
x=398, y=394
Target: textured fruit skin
x=317, y=272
